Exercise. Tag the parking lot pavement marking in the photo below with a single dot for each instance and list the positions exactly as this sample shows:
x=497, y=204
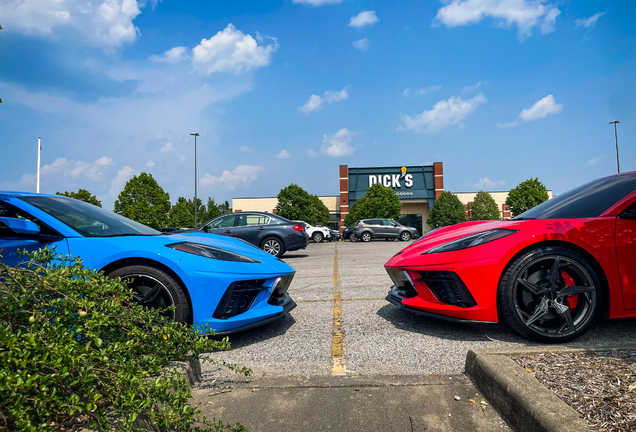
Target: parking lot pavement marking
x=337, y=339
x=346, y=299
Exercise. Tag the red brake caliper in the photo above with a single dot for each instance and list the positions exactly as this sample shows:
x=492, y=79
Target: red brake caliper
x=572, y=300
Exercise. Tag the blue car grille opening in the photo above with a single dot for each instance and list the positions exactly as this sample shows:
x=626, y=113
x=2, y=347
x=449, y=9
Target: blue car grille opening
x=238, y=298
x=448, y=288
x=279, y=293
x=403, y=286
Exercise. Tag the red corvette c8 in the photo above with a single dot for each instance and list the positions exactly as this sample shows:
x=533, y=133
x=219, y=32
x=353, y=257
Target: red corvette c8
x=548, y=273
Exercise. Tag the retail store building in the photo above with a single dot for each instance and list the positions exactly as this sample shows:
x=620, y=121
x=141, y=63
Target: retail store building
x=417, y=186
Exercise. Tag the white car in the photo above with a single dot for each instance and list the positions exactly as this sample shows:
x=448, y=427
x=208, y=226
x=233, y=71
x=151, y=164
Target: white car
x=317, y=234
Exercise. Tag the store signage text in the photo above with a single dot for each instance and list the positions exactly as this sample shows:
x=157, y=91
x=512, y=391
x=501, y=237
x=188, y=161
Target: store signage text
x=392, y=180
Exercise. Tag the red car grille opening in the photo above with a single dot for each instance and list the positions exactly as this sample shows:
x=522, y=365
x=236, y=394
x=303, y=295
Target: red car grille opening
x=238, y=298
x=277, y=297
x=447, y=287
x=403, y=286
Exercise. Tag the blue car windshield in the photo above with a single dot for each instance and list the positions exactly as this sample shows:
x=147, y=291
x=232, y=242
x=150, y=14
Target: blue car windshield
x=87, y=219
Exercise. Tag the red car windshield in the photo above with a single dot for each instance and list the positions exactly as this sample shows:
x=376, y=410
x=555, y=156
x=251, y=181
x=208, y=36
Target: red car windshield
x=589, y=200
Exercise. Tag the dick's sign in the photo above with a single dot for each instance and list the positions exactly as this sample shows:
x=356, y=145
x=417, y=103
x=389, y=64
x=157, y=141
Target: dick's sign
x=393, y=180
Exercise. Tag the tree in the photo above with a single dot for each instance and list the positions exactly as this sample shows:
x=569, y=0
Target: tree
x=378, y=202
x=448, y=210
x=295, y=203
x=144, y=201
x=484, y=207
x=181, y=214
x=527, y=194
x=82, y=195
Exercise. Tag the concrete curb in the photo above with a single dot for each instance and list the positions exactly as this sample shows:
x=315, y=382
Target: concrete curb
x=521, y=400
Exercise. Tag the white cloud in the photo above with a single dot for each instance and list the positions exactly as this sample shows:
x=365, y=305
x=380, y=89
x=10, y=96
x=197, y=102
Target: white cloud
x=317, y=2
x=311, y=153
x=594, y=160
x=364, y=18
x=443, y=114
x=316, y=103
x=69, y=170
x=284, y=154
x=173, y=55
x=486, y=183
x=338, y=144
x=245, y=149
x=362, y=44
x=406, y=92
x=429, y=89
x=118, y=183
x=336, y=96
x=589, y=22
x=102, y=23
x=539, y=110
x=241, y=175
x=525, y=14
x=150, y=163
x=471, y=88
x=230, y=50
x=167, y=148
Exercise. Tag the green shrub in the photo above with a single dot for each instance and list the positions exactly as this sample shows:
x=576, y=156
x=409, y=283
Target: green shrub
x=73, y=343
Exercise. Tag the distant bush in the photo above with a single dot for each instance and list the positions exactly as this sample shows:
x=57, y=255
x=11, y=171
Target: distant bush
x=447, y=210
x=74, y=344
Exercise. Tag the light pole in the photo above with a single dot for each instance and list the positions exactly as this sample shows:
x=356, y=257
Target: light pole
x=618, y=164
x=195, y=178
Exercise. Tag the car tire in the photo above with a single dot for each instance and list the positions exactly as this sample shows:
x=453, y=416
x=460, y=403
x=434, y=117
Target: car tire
x=155, y=288
x=390, y=239
x=273, y=246
x=353, y=239
x=536, y=304
x=405, y=236
x=365, y=237
x=317, y=237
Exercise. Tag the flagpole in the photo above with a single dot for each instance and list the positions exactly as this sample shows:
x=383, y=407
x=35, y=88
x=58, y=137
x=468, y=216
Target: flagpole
x=38, y=175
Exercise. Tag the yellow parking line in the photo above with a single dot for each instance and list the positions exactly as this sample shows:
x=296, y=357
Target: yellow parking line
x=342, y=300
x=337, y=338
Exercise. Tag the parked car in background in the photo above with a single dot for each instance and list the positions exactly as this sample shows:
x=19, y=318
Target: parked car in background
x=346, y=233
x=548, y=273
x=274, y=234
x=335, y=235
x=208, y=279
x=316, y=233
x=367, y=229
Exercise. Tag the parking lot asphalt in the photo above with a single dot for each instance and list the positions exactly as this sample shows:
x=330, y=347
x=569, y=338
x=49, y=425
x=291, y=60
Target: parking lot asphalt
x=343, y=324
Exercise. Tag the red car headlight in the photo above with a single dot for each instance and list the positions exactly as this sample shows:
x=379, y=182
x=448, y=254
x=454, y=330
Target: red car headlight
x=472, y=240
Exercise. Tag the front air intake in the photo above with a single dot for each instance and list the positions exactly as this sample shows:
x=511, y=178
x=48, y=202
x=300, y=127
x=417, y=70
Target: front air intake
x=448, y=288
x=279, y=290
x=238, y=298
x=403, y=284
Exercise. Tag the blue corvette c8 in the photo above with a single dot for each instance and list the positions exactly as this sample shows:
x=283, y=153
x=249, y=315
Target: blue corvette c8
x=222, y=281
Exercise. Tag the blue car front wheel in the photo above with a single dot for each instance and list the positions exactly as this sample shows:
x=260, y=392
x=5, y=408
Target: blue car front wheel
x=154, y=288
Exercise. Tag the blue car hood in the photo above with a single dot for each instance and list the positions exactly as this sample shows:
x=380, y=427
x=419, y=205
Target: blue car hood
x=222, y=242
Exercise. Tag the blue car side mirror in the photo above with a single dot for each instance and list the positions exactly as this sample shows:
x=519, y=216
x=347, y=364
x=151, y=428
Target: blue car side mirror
x=20, y=226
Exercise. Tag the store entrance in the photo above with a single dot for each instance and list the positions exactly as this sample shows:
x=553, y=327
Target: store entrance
x=412, y=220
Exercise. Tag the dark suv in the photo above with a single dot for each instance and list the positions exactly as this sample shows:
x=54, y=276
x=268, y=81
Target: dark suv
x=274, y=234
x=367, y=229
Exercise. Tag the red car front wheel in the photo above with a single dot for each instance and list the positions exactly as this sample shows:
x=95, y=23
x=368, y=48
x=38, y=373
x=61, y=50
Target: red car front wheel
x=549, y=294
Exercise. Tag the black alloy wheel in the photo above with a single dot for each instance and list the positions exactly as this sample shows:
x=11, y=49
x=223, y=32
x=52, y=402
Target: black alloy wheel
x=317, y=237
x=550, y=294
x=353, y=239
x=273, y=246
x=405, y=236
x=366, y=236
x=156, y=289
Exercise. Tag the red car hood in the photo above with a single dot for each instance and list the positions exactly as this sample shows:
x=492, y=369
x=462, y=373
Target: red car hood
x=446, y=234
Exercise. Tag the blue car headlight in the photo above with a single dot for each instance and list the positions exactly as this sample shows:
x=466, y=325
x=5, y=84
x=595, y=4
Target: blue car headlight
x=210, y=252
x=472, y=240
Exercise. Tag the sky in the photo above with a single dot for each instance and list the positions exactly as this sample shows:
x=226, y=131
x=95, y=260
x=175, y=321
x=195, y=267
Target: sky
x=285, y=91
